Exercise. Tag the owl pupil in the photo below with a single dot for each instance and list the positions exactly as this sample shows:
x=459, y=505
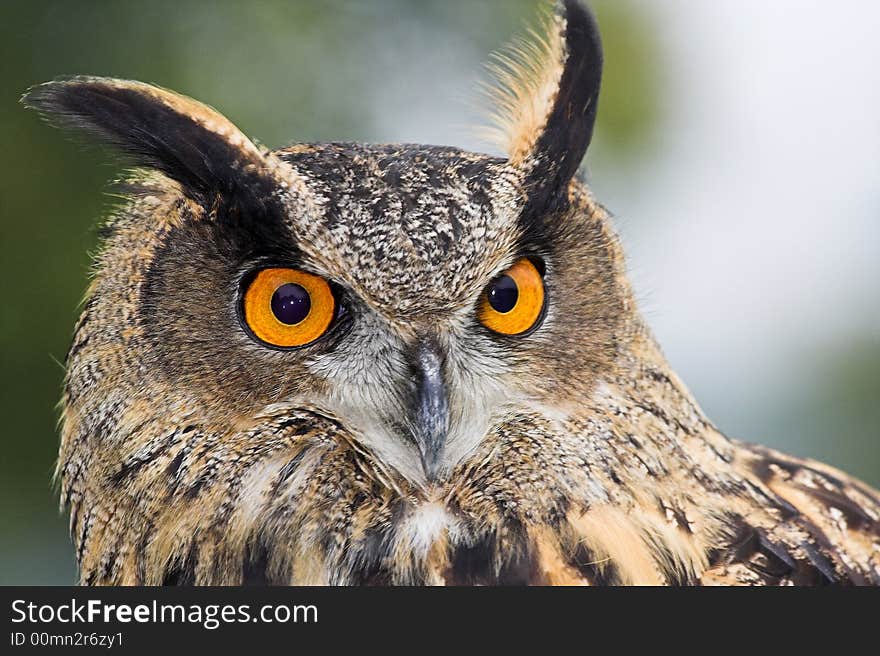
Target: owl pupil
x=291, y=304
x=503, y=294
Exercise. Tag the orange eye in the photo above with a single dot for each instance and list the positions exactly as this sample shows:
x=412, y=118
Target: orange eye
x=514, y=301
x=287, y=307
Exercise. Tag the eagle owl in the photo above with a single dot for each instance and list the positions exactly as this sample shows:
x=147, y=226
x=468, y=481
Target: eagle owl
x=348, y=364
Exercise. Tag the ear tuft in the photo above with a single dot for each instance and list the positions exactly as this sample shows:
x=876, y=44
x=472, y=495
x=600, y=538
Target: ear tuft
x=526, y=77
x=184, y=139
x=546, y=99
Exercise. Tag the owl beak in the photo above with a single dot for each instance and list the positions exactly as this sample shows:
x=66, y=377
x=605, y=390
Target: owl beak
x=430, y=421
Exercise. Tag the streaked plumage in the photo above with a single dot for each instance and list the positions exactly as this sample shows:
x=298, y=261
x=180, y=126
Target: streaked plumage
x=410, y=445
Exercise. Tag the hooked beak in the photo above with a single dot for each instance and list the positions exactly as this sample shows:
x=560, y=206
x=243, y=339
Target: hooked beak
x=430, y=411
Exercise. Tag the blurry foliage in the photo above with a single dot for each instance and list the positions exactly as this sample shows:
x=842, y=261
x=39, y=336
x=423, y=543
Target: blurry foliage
x=839, y=422
x=631, y=85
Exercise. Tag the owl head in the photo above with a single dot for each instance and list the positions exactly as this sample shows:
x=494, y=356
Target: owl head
x=412, y=292
x=407, y=300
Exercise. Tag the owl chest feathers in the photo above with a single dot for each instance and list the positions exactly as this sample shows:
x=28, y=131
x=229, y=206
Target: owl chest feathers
x=654, y=496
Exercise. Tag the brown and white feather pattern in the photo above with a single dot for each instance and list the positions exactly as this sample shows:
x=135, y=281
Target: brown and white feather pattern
x=193, y=453
x=635, y=486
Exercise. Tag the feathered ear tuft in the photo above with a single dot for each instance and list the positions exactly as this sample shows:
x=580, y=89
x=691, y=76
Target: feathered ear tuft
x=546, y=98
x=182, y=138
x=526, y=77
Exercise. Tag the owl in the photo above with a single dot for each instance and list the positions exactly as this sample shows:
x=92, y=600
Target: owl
x=345, y=364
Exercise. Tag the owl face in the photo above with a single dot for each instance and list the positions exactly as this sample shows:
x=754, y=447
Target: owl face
x=418, y=295
x=396, y=289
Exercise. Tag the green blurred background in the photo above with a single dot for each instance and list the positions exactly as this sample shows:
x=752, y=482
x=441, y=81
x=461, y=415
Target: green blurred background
x=768, y=311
